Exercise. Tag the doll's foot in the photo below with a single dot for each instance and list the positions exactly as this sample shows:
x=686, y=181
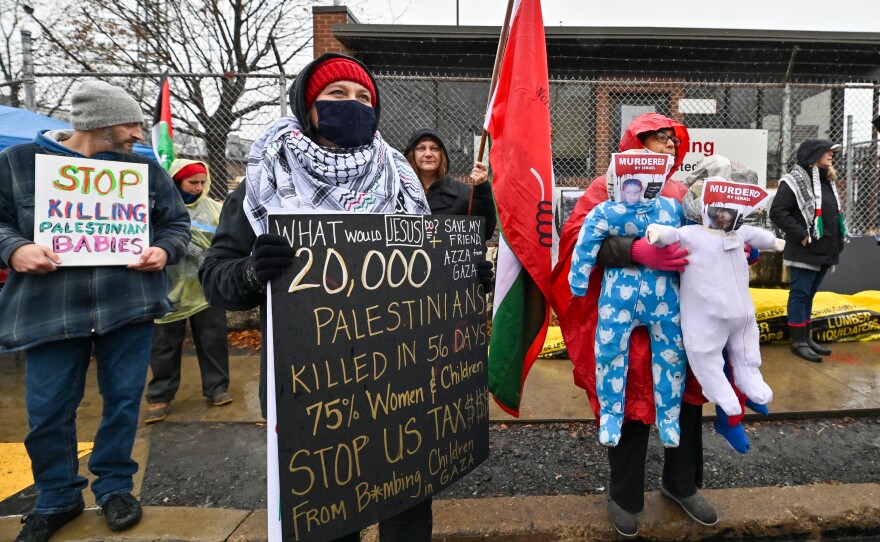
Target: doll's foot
x=735, y=436
x=755, y=407
x=670, y=433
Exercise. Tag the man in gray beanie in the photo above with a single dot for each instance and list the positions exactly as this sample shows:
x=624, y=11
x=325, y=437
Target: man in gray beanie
x=105, y=310
x=104, y=118
x=96, y=104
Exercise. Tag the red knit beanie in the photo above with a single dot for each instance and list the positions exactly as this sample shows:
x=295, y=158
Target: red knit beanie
x=188, y=171
x=337, y=69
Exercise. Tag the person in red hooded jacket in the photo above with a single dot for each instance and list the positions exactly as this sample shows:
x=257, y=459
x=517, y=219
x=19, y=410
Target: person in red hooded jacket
x=683, y=466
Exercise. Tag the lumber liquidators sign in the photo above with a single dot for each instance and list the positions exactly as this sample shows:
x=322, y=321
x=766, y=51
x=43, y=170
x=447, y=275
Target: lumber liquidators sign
x=91, y=212
x=380, y=366
x=836, y=317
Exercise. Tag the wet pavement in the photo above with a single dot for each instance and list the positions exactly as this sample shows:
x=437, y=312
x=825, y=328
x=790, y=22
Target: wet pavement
x=846, y=384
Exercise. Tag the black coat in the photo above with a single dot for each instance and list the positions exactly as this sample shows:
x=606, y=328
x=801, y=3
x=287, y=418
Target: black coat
x=451, y=197
x=786, y=215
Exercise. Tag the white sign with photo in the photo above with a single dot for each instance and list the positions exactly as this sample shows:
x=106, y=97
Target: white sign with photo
x=725, y=204
x=91, y=212
x=638, y=176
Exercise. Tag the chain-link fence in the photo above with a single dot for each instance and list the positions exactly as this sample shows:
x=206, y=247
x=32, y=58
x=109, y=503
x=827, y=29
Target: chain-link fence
x=217, y=117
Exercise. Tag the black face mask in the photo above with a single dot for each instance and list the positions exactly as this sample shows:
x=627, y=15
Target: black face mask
x=347, y=123
x=186, y=196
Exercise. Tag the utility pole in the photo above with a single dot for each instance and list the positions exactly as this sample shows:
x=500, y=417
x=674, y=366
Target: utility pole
x=27, y=70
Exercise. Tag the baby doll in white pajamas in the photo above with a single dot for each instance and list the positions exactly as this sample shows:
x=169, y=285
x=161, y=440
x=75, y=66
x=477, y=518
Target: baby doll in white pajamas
x=717, y=312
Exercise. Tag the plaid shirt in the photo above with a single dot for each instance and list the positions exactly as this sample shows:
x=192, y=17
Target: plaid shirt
x=79, y=301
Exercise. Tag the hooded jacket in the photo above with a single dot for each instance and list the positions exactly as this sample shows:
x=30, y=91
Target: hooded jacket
x=296, y=96
x=451, y=197
x=82, y=300
x=578, y=315
x=223, y=273
x=204, y=214
x=787, y=216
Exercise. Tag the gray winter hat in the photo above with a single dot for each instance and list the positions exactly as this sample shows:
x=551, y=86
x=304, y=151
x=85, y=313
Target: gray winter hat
x=96, y=104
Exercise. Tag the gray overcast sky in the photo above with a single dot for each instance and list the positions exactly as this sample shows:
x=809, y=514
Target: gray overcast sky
x=842, y=15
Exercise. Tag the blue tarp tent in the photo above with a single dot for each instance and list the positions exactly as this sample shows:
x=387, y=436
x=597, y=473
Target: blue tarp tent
x=20, y=126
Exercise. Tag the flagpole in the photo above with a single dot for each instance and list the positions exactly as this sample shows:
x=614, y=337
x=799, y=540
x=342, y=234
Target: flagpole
x=499, y=57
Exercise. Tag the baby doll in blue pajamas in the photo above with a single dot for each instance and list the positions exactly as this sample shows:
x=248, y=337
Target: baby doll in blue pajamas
x=632, y=297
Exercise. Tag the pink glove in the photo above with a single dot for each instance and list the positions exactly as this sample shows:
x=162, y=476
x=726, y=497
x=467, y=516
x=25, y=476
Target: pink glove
x=668, y=258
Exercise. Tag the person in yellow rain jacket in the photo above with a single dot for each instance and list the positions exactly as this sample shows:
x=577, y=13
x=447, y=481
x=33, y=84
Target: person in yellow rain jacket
x=207, y=323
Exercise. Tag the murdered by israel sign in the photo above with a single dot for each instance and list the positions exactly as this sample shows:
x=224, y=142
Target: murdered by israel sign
x=91, y=212
x=380, y=366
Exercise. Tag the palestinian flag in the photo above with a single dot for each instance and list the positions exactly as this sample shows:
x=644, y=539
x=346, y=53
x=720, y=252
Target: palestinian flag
x=518, y=121
x=163, y=135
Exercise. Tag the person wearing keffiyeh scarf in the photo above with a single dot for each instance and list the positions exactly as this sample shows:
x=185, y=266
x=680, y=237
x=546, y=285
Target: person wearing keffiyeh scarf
x=328, y=157
x=807, y=209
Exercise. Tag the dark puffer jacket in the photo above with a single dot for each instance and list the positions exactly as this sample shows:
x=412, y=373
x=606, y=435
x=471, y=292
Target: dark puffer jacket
x=451, y=197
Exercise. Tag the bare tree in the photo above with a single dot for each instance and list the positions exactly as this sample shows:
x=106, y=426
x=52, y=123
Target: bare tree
x=227, y=43
x=10, y=61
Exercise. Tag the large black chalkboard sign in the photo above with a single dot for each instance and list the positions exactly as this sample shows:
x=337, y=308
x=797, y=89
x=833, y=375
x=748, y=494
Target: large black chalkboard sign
x=380, y=355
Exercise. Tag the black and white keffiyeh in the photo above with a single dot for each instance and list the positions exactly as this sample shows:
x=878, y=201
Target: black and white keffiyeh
x=808, y=194
x=287, y=169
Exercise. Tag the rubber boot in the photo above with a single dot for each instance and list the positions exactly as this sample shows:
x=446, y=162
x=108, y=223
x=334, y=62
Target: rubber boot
x=799, y=345
x=817, y=348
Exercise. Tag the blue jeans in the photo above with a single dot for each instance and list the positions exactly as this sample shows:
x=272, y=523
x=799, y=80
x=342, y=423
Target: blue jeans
x=803, y=287
x=54, y=385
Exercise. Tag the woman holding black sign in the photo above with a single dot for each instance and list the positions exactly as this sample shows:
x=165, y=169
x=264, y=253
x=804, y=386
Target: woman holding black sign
x=327, y=157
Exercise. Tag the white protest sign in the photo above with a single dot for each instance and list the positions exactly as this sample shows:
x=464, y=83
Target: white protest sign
x=91, y=212
x=726, y=204
x=748, y=147
x=638, y=176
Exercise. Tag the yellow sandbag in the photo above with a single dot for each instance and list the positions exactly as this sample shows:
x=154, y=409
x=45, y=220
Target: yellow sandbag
x=554, y=345
x=836, y=317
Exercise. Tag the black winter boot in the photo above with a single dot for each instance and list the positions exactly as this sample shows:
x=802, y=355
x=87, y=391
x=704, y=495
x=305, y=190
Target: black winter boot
x=817, y=348
x=799, y=345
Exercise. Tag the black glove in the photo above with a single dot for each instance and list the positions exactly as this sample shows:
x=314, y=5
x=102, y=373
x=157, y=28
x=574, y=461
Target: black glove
x=272, y=254
x=486, y=274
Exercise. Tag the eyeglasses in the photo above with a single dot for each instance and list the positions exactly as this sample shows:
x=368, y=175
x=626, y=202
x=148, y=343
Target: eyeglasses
x=663, y=137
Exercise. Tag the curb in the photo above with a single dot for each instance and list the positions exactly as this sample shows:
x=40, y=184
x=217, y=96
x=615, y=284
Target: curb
x=796, y=512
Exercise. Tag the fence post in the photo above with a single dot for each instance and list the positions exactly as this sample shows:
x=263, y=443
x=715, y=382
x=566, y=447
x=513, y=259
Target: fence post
x=850, y=204
x=786, y=129
x=27, y=70
x=282, y=94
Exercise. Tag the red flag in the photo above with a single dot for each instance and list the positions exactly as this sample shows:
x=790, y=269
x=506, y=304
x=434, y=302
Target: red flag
x=518, y=120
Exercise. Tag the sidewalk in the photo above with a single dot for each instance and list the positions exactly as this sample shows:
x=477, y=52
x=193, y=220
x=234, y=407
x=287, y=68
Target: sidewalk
x=847, y=384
